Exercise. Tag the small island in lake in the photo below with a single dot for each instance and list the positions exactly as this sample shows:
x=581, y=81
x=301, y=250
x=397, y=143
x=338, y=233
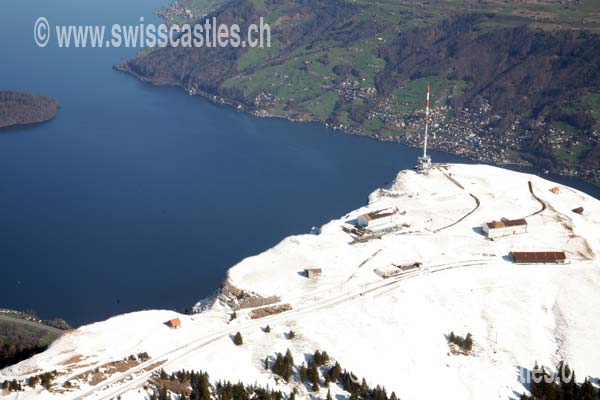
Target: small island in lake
x=25, y=108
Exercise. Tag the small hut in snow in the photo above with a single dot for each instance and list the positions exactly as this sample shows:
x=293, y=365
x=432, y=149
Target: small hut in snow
x=311, y=273
x=174, y=323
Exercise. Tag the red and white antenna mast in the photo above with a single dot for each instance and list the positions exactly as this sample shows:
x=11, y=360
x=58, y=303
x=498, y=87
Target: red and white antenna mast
x=424, y=163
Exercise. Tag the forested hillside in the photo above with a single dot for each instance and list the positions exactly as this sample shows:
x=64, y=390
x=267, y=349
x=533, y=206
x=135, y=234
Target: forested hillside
x=24, y=108
x=511, y=81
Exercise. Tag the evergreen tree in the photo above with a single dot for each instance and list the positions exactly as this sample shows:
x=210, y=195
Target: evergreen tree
x=380, y=393
x=163, y=394
x=277, y=367
x=200, y=386
x=267, y=329
x=320, y=358
x=303, y=373
x=284, y=365
x=468, y=342
x=238, y=340
x=205, y=387
x=288, y=364
x=393, y=396
x=364, y=389
x=288, y=357
x=15, y=386
x=329, y=395
x=335, y=372
x=313, y=375
x=317, y=357
x=587, y=390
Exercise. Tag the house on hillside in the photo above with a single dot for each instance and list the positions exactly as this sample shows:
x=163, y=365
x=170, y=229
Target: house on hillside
x=173, y=323
x=312, y=272
x=506, y=227
x=378, y=219
x=555, y=190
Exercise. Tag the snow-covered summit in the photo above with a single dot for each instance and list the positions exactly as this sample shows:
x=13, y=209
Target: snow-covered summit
x=391, y=331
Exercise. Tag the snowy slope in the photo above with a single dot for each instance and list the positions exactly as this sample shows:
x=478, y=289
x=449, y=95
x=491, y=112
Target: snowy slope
x=389, y=331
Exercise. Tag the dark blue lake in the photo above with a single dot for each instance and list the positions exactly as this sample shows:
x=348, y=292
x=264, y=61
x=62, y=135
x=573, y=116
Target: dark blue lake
x=140, y=197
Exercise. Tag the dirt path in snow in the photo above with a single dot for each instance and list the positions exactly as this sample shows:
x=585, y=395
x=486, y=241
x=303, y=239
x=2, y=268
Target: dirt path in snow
x=477, y=203
x=542, y=202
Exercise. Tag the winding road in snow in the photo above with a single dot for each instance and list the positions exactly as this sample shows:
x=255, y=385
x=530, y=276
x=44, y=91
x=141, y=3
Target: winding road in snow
x=140, y=374
x=135, y=377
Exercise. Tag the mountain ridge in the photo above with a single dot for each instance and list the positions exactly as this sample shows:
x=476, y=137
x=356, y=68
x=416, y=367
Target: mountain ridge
x=380, y=328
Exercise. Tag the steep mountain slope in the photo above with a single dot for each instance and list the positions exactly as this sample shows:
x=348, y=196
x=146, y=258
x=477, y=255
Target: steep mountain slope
x=390, y=331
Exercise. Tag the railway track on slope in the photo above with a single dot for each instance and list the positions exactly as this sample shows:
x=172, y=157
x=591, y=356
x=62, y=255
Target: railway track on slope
x=140, y=374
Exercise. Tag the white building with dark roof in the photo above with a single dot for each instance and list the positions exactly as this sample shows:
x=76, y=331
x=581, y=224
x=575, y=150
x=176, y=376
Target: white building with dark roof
x=496, y=229
x=378, y=219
